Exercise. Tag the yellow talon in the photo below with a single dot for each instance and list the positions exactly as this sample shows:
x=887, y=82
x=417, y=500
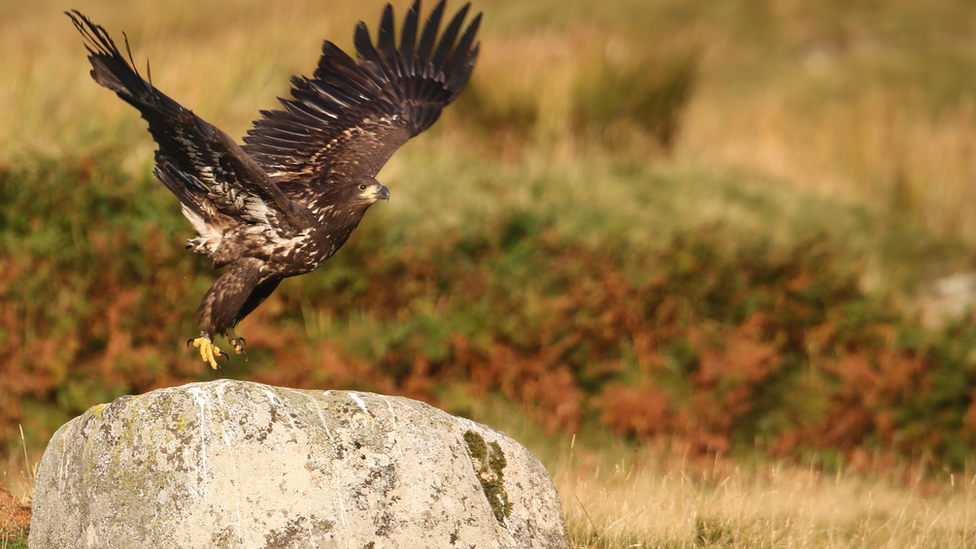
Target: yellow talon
x=208, y=351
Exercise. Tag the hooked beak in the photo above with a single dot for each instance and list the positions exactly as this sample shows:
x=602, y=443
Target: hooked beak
x=376, y=192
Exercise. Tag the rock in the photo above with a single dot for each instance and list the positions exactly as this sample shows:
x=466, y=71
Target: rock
x=947, y=299
x=239, y=464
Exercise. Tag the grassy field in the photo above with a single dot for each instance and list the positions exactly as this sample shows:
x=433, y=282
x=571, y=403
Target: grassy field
x=664, y=495
x=696, y=233
x=657, y=499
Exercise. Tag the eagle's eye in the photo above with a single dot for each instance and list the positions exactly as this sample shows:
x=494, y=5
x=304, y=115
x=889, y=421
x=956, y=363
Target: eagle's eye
x=362, y=187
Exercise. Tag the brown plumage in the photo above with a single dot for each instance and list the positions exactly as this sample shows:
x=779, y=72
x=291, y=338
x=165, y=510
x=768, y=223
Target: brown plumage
x=284, y=202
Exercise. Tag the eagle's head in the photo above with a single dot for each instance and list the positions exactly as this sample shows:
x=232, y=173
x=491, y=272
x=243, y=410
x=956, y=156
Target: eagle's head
x=361, y=192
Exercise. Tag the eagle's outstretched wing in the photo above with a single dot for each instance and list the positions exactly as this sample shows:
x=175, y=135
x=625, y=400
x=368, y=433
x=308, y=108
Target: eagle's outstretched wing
x=353, y=115
x=234, y=183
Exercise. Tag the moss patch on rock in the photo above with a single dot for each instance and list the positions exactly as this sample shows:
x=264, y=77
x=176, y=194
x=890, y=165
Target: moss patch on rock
x=489, y=461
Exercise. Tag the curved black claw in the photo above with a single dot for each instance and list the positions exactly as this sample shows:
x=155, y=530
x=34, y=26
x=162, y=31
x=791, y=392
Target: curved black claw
x=238, y=343
x=223, y=354
x=189, y=341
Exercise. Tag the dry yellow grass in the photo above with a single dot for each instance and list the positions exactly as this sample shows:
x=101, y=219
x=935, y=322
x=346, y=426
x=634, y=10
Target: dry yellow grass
x=875, y=104
x=661, y=495
x=659, y=499
x=878, y=149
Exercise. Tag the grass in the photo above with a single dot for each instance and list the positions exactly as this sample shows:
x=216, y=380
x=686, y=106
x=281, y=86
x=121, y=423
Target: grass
x=15, y=511
x=618, y=495
x=685, y=155
x=723, y=505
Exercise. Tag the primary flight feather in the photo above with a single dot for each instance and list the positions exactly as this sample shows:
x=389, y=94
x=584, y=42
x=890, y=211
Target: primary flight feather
x=285, y=201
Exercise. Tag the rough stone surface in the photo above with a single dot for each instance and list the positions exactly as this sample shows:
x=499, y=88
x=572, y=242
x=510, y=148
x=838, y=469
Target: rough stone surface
x=238, y=464
x=947, y=299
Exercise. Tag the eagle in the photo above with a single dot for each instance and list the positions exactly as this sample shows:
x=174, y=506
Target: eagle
x=283, y=202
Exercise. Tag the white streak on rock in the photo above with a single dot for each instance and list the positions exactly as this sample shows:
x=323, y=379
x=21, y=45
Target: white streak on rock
x=325, y=424
x=359, y=401
x=393, y=433
x=342, y=511
x=237, y=491
x=201, y=400
x=273, y=398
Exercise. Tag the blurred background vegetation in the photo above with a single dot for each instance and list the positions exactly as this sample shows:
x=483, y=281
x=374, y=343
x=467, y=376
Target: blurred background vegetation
x=723, y=225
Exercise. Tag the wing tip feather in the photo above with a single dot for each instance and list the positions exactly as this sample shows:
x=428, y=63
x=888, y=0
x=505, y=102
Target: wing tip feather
x=416, y=80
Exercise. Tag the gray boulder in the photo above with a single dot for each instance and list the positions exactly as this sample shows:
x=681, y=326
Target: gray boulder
x=239, y=464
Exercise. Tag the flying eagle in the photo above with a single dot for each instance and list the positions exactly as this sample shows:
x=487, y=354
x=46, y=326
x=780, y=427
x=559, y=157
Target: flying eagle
x=285, y=201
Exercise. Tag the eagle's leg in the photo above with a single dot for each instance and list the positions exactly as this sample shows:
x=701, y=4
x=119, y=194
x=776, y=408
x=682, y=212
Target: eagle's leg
x=208, y=350
x=232, y=297
x=258, y=295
